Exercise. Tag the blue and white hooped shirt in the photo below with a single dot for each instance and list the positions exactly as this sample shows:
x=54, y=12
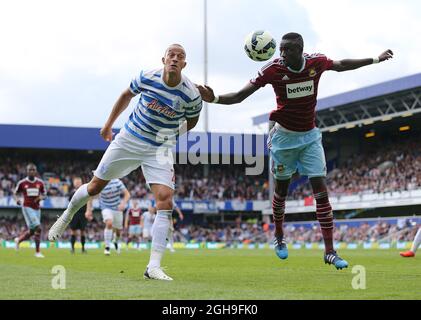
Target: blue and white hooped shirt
x=161, y=109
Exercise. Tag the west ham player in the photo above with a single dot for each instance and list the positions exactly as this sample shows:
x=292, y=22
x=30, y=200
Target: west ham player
x=33, y=190
x=132, y=222
x=295, y=142
x=112, y=207
x=147, y=220
x=415, y=244
x=79, y=220
x=169, y=104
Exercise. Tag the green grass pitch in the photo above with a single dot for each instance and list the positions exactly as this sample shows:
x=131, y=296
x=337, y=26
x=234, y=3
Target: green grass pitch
x=209, y=274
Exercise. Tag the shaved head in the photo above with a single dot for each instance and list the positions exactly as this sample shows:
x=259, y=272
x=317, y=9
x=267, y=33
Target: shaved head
x=175, y=45
x=31, y=166
x=31, y=170
x=174, y=62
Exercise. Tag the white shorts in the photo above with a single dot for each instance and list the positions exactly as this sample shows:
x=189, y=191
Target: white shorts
x=126, y=153
x=115, y=216
x=146, y=233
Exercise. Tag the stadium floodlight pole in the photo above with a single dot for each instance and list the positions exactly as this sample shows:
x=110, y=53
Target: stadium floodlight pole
x=205, y=72
x=205, y=64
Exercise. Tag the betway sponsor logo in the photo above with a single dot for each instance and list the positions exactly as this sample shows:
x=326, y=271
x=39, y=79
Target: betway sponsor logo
x=299, y=90
x=32, y=192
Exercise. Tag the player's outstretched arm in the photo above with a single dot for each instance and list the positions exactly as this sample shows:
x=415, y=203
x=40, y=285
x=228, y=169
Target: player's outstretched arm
x=230, y=98
x=120, y=105
x=352, y=64
x=16, y=198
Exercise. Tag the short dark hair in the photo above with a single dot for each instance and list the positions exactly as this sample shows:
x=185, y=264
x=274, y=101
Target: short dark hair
x=31, y=165
x=176, y=45
x=293, y=36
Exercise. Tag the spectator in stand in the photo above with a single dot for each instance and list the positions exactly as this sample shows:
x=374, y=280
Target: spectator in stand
x=394, y=166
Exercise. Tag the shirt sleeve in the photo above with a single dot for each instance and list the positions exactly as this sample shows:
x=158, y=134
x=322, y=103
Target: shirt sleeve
x=325, y=62
x=136, y=84
x=264, y=76
x=194, y=108
x=18, y=187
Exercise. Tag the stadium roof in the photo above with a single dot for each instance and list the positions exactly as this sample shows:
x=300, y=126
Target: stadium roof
x=75, y=138
x=362, y=94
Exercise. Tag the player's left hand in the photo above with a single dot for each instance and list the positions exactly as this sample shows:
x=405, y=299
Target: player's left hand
x=206, y=92
x=121, y=207
x=388, y=54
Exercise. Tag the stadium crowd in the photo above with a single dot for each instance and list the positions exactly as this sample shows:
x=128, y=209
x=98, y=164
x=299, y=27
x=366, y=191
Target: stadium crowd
x=222, y=182
x=243, y=232
x=385, y=168
x=394, y=167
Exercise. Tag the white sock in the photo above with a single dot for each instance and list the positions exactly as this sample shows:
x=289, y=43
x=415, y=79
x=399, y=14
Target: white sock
x=417, y=241
x=155, y=259
x=171, y=239
x=160, y=229
x=79, y=199
x=108, y=236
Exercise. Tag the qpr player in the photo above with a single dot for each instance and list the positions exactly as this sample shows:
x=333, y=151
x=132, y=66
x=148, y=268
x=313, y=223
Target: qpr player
x=169, y=105
x=295, y=142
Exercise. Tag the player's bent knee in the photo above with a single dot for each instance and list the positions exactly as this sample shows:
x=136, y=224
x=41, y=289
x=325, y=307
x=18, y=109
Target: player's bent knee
x=96, y=185
x=164, y=199
x=35, y=230
x=318, y=183
x=281, y=186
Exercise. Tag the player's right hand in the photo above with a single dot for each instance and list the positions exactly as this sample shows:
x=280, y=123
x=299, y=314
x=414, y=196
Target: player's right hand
x=107, y=134
x=206, y=92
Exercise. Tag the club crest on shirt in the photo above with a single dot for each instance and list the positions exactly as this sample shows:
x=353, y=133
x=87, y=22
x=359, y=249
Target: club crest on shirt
x=312, y=72
x=177, y=105
x=280, y=168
